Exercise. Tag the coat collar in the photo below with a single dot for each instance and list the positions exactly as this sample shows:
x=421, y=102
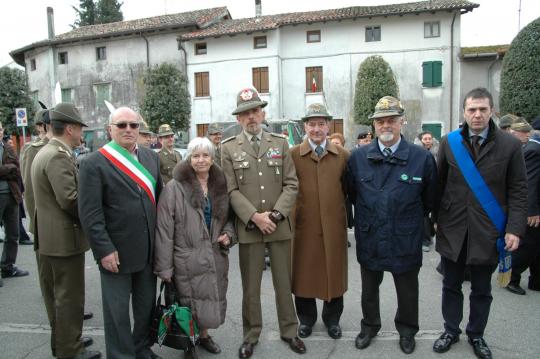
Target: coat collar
x=401, y=155
x=305, y=148
x=264, y=145
x=488, y=143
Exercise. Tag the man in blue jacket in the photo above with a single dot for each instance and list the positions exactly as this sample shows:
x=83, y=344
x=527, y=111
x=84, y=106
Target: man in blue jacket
x=392, y=185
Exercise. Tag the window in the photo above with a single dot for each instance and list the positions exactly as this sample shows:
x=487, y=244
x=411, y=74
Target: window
x=67, y=95
x=34, y=95
x=102, y=93
x=313, y=36
x=63, y=58
x=314, y=79
x=200, y=48
x=259, y=42
x=101, y=53
x=432, y=73
x=260, y=79
x=32, y=64
x=432, y=29
x=202, y=84
x=373, y=33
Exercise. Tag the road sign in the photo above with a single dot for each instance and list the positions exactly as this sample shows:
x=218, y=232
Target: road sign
x=22, y=120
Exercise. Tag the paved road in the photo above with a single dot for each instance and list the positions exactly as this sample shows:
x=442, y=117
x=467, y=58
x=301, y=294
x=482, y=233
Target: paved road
x=512, y=331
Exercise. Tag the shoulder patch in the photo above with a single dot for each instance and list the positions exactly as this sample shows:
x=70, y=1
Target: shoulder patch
x=228, y=139
x=37, y=144
x=279, y=135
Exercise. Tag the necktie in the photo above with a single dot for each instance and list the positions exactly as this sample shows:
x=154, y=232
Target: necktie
x=387, y=151
x=319, y=151
x=475, y=141
x=255, y=144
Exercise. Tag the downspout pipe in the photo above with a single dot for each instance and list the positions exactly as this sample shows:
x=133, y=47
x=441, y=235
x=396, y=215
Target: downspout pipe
x=451, y=122
x=147, y=50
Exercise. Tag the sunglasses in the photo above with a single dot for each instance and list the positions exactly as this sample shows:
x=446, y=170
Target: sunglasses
x=361, y=137
x=123, y=125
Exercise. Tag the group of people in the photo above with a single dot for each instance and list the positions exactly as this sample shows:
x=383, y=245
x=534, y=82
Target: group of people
x=146, y=214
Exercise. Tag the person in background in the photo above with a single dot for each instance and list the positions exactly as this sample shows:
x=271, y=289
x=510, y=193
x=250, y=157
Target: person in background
x=193, y=235
x=145, y=135
x=168, y=157
x=426, y=140
x=364, y=138
x=529, y=246
x=215, y=134
x=506, y=121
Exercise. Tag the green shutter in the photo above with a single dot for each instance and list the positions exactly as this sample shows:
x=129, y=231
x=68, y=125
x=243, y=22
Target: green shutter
x=437, y=73
x=427, y=74
x=66, y=95
x=434, y=128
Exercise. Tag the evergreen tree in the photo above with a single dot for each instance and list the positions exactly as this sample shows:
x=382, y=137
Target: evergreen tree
x=520, y=84
x=375, y=79
x=14, y=95
x=109, y=11
x=166, y=98
x=86, y=13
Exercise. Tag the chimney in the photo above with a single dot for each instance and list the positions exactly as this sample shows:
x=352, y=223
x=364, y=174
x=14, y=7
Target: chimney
x=50, y=22
x=258, y=9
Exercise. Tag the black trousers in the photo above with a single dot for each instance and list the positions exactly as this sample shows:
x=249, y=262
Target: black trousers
x=306, y=309
x=525, y=255
x=9, y=215
x=534, y=277
x=406, y=319
x=452, y=295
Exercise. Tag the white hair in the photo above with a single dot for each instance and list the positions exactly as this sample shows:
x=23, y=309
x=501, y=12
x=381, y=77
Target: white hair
x=198, y=144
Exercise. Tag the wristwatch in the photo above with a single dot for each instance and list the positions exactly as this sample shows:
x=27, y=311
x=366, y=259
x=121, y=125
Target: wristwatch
x=276, y=217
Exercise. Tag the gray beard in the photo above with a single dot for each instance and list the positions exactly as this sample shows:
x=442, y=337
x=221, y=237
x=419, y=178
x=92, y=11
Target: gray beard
x=386, y=137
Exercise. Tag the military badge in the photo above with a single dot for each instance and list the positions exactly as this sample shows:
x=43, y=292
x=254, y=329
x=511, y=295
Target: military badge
x=383, y=104
x=246, y=94
x=274, y=153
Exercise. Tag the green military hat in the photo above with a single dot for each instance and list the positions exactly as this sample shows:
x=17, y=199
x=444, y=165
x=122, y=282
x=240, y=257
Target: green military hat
x=248, y=99
x=66, y=112
x=521, y=125
x=316, y=110
x=386, y=107
x=507, y=120
x=214, y=128
x=38, y=117
x=165, y=130
x=143, y=128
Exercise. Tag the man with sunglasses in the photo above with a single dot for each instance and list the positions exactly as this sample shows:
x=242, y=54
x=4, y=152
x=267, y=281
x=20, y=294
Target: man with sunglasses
x=392, y=184
x=119, y=186
x=364, y=138
x=168, y=157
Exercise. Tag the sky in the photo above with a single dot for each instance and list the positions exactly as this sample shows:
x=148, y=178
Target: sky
x=23, y=22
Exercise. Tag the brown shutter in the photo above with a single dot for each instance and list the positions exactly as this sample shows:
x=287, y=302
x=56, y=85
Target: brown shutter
x=265, y=88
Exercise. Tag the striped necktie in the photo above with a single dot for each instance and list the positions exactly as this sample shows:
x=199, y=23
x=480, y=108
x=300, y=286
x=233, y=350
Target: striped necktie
x=387, y=151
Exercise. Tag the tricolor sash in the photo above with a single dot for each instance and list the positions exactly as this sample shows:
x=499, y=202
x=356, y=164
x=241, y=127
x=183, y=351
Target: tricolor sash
x=486, y=198
x=124, y=161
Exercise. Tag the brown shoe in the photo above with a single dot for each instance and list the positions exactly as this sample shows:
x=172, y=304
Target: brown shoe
x=209, y=345
x=296, y=344
x=246, y=350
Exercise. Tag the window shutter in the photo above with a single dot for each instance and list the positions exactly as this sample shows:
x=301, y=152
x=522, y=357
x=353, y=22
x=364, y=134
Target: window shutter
x=437, y=73
x=427, y=74
x=265, y=88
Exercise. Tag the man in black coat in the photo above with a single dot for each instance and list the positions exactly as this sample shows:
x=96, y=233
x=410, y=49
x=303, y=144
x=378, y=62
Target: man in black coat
x=529, y=247
x=465, y=234
x=118, y=188
x=392, y=185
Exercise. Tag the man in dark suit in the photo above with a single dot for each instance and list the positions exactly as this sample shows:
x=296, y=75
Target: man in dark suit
x=529, y=247
x=465, y=234
x=58, y=231
x=119, y=185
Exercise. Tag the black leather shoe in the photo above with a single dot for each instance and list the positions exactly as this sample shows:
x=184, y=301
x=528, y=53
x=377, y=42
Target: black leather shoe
x=87, y=341
x=481, y=349
x=26, y=242
x=304, y=330
x=14, y=272
x=363, y=340
x=246, y=350
x=88, y=315
x=296, y=344
x=444, y=342
x=209, y=345
x=407, y=344
x=334, y=331
x=515, y=288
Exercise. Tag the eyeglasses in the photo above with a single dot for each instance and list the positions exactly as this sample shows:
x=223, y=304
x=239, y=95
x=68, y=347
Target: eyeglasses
x=124, y=125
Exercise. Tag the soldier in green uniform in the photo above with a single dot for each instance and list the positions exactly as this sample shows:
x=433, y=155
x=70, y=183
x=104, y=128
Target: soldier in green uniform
x=27, y=158
x=41, y=130
x=61, y=240
x=168, y=157
x=215, y=134
x=145, y=135
x=262, y=185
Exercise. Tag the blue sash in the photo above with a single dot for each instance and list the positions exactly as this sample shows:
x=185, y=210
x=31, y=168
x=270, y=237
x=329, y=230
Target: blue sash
x=483, y=194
